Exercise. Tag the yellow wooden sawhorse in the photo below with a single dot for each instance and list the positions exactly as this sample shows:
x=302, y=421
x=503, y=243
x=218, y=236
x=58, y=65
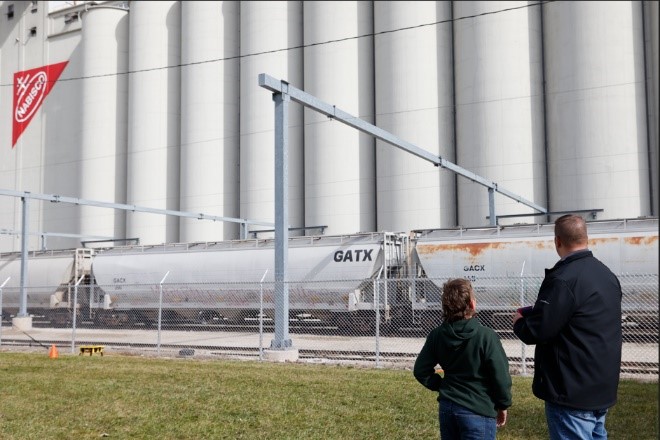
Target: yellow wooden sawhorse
x=91, y=349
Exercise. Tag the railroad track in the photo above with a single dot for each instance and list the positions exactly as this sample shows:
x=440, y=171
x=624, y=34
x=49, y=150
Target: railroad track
x=630, y=334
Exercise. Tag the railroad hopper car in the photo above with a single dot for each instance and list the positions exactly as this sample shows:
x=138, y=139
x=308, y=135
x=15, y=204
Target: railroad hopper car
x=344, y=281
x=231, y=282
x=506, y=266
x=50, y=282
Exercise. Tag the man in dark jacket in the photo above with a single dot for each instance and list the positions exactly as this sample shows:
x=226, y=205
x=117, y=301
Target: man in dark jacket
x=576, y=326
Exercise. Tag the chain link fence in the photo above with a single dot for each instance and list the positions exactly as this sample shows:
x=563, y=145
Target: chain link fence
x=374, y=322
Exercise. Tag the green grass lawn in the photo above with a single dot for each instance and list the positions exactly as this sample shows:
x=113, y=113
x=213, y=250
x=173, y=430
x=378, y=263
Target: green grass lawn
x=123, y=397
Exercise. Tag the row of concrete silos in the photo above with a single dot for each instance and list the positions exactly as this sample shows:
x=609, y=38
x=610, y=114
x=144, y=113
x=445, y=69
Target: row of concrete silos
x=549, y=102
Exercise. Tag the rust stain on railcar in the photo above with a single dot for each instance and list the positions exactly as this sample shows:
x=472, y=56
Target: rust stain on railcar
x=596, y=241
x=476, y=249
x=473, y=249
x=641, y=241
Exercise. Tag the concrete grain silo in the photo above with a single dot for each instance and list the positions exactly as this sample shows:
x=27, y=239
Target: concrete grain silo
x=47, y=154
x=596, y=107
x=159, y=106
x=652, y=40
x=271, y=36
x=104, y=121
x=20, y=163
x=339, y=160
x=499, y=107
x=414, y=101
x=209, y=118
x=154, y=118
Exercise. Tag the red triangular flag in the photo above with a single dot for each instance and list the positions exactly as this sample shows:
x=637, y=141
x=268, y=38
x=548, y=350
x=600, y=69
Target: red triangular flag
x=30, y=89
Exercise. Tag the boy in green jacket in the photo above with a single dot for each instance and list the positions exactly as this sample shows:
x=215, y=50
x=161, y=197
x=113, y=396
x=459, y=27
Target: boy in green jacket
x=475, y=389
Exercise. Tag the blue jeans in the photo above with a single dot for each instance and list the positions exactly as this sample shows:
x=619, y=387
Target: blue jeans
x=458, y=422
x=567, y=423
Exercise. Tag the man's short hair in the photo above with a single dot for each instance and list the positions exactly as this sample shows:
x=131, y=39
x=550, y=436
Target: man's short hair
x=571, y=230
x=457, y=295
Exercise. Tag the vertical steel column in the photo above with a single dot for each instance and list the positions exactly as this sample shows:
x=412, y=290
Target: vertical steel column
x=22, y=311
x=491, y=206
x=281, y=340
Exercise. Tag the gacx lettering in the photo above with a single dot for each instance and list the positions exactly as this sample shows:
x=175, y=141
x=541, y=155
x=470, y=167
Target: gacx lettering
x=356, y=255
x=475, y=268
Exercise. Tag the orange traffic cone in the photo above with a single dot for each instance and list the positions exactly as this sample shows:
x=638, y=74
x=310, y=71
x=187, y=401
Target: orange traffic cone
x=52, y=352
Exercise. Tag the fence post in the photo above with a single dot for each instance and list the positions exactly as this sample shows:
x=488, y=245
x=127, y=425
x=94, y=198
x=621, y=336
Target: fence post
x=523, y=354
x=1, y=286
x=75, y=313
x=261, y=317
x=377, y=306
x=160, y=309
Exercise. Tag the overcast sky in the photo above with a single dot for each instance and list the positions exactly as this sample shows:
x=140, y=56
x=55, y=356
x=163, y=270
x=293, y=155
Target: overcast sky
x=53, y=6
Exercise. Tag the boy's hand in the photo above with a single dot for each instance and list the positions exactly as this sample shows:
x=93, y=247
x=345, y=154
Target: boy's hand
x=501, y=417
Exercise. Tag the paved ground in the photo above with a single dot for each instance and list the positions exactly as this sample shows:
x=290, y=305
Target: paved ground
x=248, y=343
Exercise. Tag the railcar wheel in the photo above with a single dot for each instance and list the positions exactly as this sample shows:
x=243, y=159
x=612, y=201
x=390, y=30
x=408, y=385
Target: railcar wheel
x=207, y=317
x=363, y=325
x=429, y=321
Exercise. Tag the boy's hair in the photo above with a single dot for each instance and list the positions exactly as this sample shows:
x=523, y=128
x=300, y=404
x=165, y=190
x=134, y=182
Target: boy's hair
x=457, y=295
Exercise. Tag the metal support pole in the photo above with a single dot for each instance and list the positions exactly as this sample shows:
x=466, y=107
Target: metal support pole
x=281, y=340
x=491, y=206
x=133, y=208
x=22, y=311
x=282, y=94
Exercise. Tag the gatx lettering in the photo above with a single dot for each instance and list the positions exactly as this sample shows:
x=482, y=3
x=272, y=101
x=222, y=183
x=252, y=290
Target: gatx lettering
x=475, y=268
x=356, y=255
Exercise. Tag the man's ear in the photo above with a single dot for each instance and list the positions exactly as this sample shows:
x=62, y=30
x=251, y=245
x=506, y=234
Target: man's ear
x=473, y=304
